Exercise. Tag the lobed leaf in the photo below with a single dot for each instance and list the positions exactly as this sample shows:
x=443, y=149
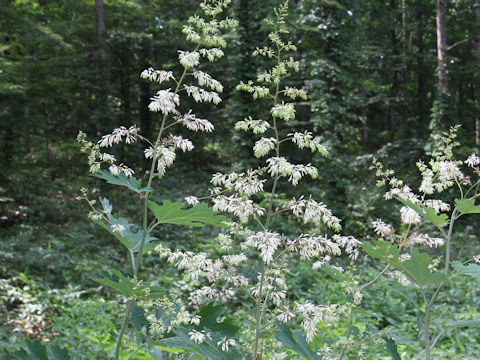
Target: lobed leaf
x=467, y=206
x=172, y=213
x=426, y=213
x=122, y=180
x=295, y=342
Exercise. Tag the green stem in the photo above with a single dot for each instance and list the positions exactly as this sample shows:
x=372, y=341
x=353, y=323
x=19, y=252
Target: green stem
x=122, y=330
x=429, y=304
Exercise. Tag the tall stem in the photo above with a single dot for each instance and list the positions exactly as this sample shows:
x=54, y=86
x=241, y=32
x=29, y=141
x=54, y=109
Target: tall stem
x=258, y=303
x=137, y=261
x=429, y=304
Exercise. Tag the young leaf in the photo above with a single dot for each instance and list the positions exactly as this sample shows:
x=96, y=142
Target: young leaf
x=131, y=240
x=467, y=206
x=295, y=342
x=391, y=347
x=125, y=286
x=472, y=270
x=172, y=213
x=122, y=180
x=415, y=269
x=426, y=213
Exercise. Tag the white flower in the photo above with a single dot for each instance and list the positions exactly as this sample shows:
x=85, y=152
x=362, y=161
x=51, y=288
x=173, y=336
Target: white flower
x=425, y=240
x=191, y=200
x=264, y=146
x=116, y=136
x=265, y=241
x=188, y=59
x=381, y=228
x=237, y=206
x=180, y=143
x=476, y=258
x=165, y=101
x=157, y=75
x=226, y=343
x=312, y=211
x=309, y=246
x=118, y=228
x=201, y=95
x=257, y=126
x=349, y=244
x=286, y=315
x=205, y=79
x=211, y=54
x=306, y=140
x=198, y=336
x=473, y=160
x=195, y=124
x=409, y=216
x=284, y=111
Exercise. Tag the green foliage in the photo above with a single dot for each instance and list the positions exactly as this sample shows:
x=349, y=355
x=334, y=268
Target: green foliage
x=415, y=268
x=467, y=206
x=172, y=213
x=295, y=341
x=122, y=180
x=426, y=213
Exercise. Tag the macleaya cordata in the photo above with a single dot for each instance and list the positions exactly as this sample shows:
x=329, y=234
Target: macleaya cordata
x=177, y=91
x=252, y=198
x=428, y=222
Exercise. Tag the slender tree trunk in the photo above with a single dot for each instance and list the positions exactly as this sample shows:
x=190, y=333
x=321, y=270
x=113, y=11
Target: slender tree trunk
x=476, y=49
x=441, y=47
x=392, y=114
x=101, y=34
x=420, y=71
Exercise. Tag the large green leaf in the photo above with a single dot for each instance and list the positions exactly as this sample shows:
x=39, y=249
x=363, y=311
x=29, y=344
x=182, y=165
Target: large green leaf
x=295, y=342
x=125, y=286
x=415, y=269
x=138, y=319
x=172, y=213
x=467, y=206
x=130, y=239
x=426, y=213
x=122, y=180
x=472, y=270
x=38, y=351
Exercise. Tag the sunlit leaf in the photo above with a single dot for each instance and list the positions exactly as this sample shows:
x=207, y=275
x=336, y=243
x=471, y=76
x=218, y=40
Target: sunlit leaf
x=467, y=206
x=472, y=270
x=172, y=213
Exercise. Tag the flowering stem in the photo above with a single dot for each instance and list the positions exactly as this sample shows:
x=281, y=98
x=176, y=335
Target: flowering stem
x=259, y=311
x=146, y=230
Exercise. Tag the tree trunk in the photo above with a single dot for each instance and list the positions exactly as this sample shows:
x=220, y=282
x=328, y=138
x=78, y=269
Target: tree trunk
x=476, y=49
x=420, y=72
x=102, y=43
x=441, y=47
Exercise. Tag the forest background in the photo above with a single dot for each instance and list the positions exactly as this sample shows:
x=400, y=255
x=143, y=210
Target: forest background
x=378, y=85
